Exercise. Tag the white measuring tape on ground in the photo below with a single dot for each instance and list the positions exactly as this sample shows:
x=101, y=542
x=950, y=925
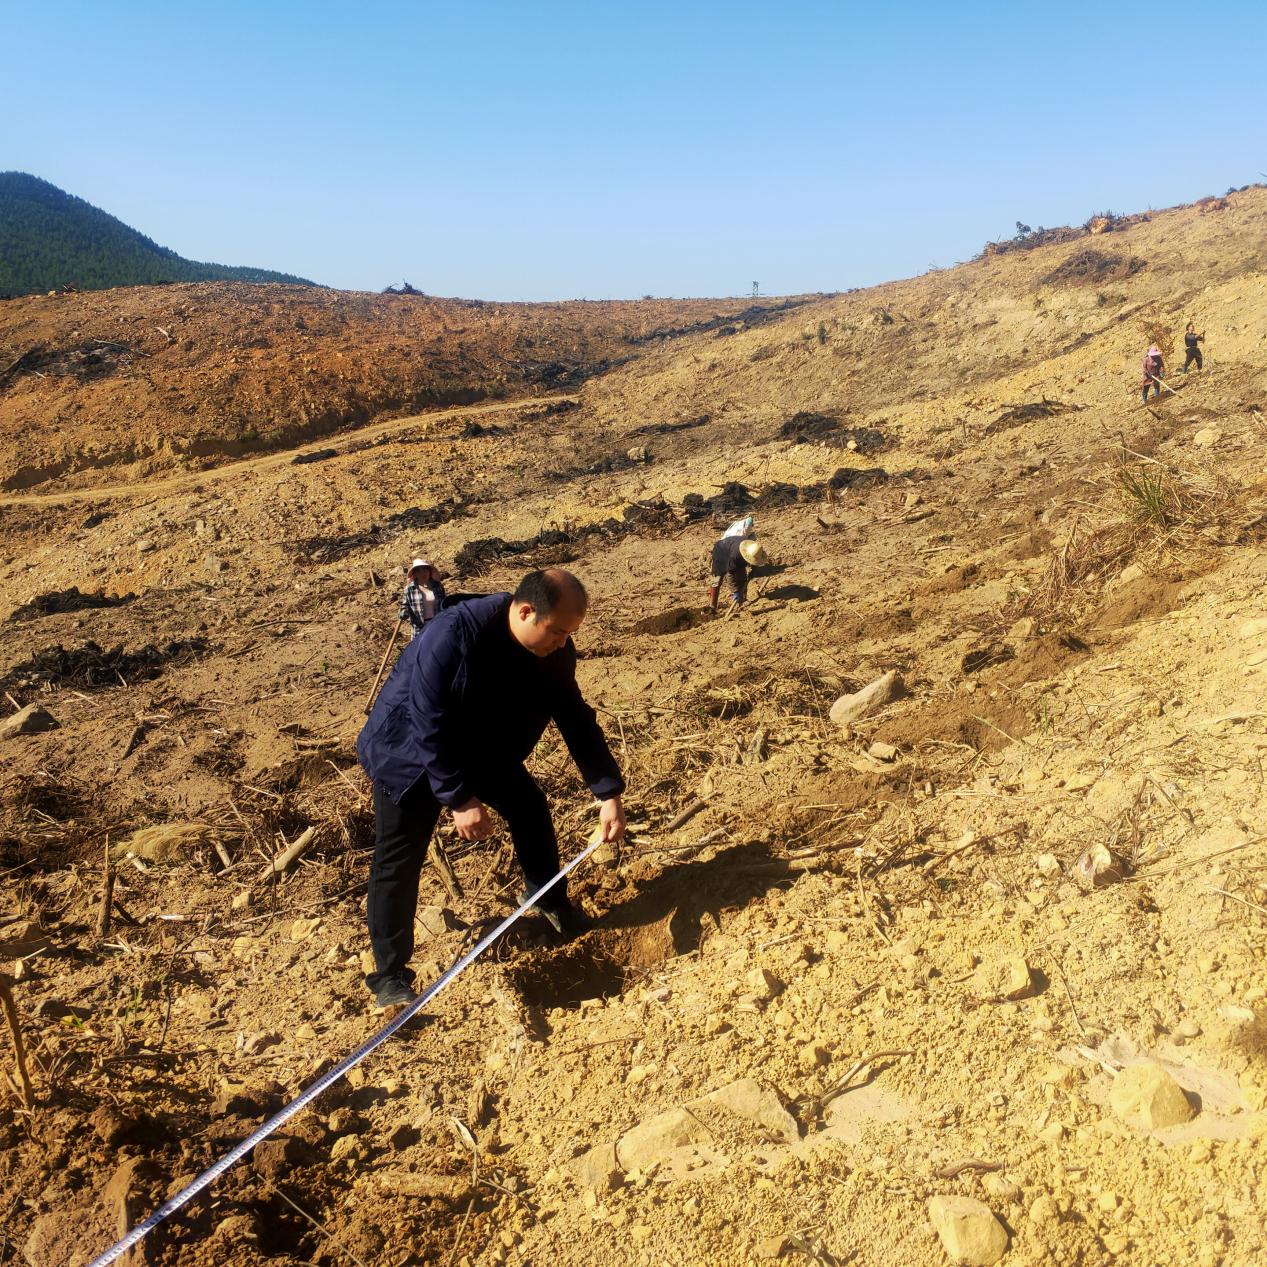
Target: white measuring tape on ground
x=305, y=1097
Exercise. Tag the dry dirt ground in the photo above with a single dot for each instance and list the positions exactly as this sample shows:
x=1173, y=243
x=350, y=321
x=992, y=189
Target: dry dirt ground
x=864, y=973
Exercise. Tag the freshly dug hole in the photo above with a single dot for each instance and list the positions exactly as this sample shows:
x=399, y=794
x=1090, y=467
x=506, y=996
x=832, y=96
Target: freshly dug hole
x=596, y=966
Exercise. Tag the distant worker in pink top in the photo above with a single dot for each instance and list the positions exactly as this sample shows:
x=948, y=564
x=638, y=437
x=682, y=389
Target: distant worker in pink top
x=1154, y=371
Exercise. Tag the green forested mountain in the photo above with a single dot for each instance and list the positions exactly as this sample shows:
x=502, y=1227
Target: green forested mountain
x=50, y=239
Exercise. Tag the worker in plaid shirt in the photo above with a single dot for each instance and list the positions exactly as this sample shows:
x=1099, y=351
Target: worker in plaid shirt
x=423, y=595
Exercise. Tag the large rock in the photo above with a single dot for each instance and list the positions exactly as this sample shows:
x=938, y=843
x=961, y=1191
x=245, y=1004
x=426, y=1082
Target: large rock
x=596, y=1168
x=852, y=708
x=968, y=1230
x=649, y=1141
x=28, y=721
x=1146, y=1095
x=61, y=1236
x=757, y=1104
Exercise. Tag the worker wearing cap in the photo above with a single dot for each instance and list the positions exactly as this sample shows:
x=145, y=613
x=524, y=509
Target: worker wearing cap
x=732, y=556
x=423, y=595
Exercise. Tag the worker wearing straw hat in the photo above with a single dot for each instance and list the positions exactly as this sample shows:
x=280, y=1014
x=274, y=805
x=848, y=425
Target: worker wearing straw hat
x=423, y=595
x=732, y=556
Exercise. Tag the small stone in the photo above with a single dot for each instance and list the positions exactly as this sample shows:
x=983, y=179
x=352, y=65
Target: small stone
x=1024, y=629
x=347, y=1147
x=1254, y=628
x=639, y=1232
x=274, y=1157
x=116, y=1126
x=638, y=453
x=1001, y=1189
x=237, y=1227
x=1188, y=1028
x=1003, y=979
x=30, y=720
x=1048, y=865
x=882, y=751
x=253, y=1044
x=213, y=563
x=814, y=1056
x=1044, y=1209
x=237, y=1099
x=241, y=900
x=764, y=984
x=1146, y=1095
x=301, y=929
x=968, y=1230
x=437, y=920
x=343, y=1121
x=144, y=545
x=772, y=1247
x=1095, y=869
x=1207, y=437
x=1062, y=1076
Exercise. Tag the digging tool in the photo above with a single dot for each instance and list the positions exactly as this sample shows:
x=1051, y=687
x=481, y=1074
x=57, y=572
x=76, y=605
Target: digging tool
x=391, y=642
x=1162, y=382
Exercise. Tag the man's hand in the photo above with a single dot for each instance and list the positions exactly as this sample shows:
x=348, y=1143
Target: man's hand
x=611, y=818
x=473, y=821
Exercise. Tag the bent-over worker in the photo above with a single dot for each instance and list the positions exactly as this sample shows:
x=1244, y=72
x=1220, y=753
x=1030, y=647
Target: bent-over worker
x=451, y=730
x=730, y=560
x=421, y=601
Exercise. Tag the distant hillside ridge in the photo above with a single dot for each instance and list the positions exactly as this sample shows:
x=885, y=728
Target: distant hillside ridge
x=50, y=239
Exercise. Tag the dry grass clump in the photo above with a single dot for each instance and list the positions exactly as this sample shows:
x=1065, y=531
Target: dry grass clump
x=1148, y=513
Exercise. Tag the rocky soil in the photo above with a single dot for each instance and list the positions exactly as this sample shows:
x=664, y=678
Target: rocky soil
x=975, y=976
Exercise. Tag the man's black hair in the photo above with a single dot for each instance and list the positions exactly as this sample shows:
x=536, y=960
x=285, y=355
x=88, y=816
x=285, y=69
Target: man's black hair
x=547, y=588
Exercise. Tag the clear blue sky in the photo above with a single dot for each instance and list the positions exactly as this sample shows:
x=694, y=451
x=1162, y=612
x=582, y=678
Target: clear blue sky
x=527, y=150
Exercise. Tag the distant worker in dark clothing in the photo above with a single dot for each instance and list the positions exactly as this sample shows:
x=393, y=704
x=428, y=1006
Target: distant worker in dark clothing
x=451, y=730
x=1191, y=352
x=730, y=561
x=1154, y=371
x=423, y=595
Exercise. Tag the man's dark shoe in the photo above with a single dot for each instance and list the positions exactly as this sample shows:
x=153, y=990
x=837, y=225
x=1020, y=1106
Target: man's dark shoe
x=392, y=995
x=567, y=920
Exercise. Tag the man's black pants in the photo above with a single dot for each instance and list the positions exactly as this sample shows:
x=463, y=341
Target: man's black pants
x=401, y=835
x=1193, y=354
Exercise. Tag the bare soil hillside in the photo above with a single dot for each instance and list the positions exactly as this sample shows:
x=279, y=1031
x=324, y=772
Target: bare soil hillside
x=184, y=376
x=1001, y=940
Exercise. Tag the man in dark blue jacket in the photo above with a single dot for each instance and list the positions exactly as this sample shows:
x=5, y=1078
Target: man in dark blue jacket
x=465, y=705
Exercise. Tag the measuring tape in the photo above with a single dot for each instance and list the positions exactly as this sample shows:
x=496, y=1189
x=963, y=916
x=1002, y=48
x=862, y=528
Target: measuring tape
x=305, y=1097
